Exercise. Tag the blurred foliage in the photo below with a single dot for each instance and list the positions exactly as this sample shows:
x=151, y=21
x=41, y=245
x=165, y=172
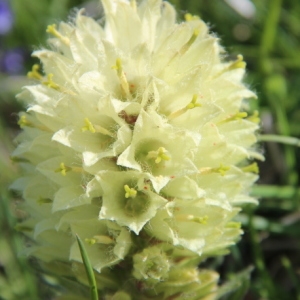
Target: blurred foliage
x=270, y=43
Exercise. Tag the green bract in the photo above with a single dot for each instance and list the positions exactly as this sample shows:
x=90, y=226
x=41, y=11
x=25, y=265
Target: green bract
x=135, y=139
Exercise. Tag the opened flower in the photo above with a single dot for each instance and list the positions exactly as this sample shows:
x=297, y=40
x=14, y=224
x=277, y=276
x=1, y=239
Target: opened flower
x=135, y=138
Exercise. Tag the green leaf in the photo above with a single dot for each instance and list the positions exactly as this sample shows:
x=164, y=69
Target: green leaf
x=89, y=270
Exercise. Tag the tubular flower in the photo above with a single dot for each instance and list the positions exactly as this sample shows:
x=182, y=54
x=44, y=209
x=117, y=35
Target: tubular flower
x=136, y=139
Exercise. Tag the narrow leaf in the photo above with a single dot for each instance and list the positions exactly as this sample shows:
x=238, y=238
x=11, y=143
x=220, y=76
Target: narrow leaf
x=89, y=269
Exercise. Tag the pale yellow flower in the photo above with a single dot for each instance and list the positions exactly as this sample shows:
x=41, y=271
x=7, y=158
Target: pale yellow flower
x=136, y=138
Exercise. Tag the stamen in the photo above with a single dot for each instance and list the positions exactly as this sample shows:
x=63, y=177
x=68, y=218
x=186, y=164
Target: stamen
x=51, y=84
x=159, y=155
x=23, y=122
x=255, y=117
x=96, y=128
x=100, y=239
x=238, y=116
x=189, y=43
x=129, y=192
x=200, y=220
x=253, y=168
x=63, y=169
x=52, y=30
x=222, y=169
x=123, y=80
x=238, y=64
x=189, y=17
x=88, y=126
x=191, y=105
x=34, y=73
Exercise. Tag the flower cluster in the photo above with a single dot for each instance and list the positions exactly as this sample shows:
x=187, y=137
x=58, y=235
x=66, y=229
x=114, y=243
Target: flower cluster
x=136, y=139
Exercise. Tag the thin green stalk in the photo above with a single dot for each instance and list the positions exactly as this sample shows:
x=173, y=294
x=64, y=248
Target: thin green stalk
x=287, y=265
x=270, y=28
x=89, y=270
x=269, y=289
x=287, y=140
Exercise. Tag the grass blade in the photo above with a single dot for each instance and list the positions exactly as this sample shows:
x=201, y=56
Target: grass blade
x=89, y=269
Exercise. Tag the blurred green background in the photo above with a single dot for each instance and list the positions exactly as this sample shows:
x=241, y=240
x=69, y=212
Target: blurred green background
x=267, y=33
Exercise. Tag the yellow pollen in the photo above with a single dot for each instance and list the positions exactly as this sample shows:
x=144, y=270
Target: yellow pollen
x=254, y=118
x=88, y=126
x=253, y=168
x=189, y=17
x=222, y=169
x=123, y=80
x=238, y=116
x=233, y=225
x=191, y=105
x=200, y=220
x=238, y=64
x=159, y=155
x=52, y=30
x=34, y=73
x=129, y=192
x=63, y=169
x=50, y=83
x=23, y=122
x=96, y=128
x=100, y=239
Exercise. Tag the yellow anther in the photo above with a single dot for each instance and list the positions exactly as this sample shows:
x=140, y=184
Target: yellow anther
x=42, y=200
x=129, y=192
x=100, y=239
x=189, y=17
x=238, y=64
x=50, y=83
x=193, y=103
x=181, y=111
x=88, y=126
x=254, y=118
x=23, y=122
x=238, y=116
x=222, y=169
x=91, y=241
x=253, y=168
x=52, y=30
x=34, y=73
x=123, y=80
x=233, y=225
x=63, y=169
x=200, y=220
x=159, y=155
x=189, y=43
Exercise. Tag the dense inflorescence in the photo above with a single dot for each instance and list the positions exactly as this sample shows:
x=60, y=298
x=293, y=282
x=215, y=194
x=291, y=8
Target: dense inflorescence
x=136, y=139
